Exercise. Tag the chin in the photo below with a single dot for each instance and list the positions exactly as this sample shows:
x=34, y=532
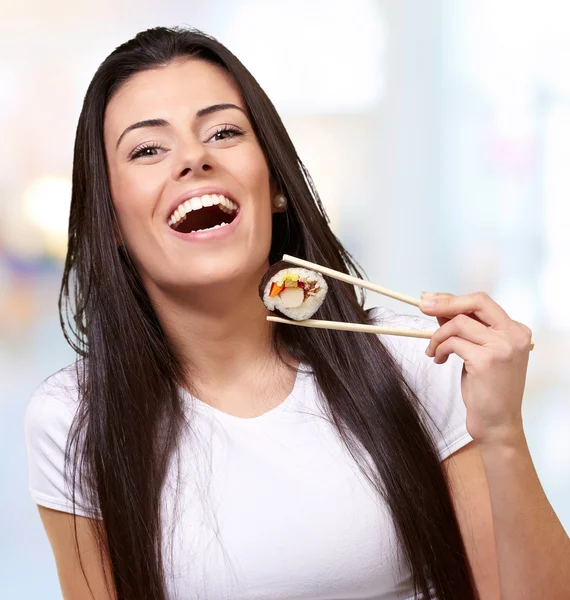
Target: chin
x=214, y=272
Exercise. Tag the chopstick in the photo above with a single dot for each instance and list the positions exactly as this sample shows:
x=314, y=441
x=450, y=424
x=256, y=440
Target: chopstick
x=357, y=327
x=352, y=280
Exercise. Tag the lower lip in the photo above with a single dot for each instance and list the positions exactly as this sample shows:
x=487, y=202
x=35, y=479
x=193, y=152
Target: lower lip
x=204, y=236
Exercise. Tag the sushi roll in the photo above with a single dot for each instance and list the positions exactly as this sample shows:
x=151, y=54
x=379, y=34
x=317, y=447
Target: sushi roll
x=294, y=292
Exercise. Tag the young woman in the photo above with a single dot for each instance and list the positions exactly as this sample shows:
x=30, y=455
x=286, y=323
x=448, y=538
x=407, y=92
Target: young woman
x=196, y=451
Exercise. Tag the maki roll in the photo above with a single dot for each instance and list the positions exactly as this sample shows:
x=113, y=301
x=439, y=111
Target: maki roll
x=295, y=292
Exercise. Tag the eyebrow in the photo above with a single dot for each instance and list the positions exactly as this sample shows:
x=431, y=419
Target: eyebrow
x=163, y=123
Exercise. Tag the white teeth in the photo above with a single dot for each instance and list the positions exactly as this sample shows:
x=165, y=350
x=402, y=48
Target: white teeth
x=196, y=203
x=210, y=228
x=227, y=205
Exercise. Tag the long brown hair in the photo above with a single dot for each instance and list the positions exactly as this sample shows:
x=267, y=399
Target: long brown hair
x=130, y=414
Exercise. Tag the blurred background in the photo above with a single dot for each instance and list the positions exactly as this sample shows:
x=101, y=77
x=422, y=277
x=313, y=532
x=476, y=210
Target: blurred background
x=437, y=133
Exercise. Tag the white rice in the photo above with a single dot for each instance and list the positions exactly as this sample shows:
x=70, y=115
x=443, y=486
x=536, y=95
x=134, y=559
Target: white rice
x=309, y=306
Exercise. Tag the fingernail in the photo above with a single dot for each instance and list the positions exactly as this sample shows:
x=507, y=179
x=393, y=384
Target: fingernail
x=428, y=303
x=427, y=300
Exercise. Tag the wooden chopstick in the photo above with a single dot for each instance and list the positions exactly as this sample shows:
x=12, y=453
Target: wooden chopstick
x=359, y=328
x=355, y=326
x=352, y=280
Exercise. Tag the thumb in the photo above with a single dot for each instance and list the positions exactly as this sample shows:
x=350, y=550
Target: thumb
x=426, y=295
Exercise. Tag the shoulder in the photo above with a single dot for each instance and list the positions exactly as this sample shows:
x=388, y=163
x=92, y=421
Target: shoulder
x=401, y=345
x=48, y=420
x=409, y=352
x=54, y=400
x=438, y=387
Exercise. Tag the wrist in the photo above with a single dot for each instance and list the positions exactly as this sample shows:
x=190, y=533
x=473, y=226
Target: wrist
x=511, y=438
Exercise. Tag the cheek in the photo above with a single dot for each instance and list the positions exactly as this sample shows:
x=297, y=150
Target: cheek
x=258, y=176
x=253, y=173
x=134, y=197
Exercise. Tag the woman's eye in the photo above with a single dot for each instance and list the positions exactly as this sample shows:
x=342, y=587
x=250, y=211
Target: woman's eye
x=226, y=133
x=148, y=150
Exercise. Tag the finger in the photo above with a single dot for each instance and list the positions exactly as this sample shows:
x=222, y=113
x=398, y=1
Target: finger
x=440, y=320
x=465, y=349
x=464, y=327
x=479, y=304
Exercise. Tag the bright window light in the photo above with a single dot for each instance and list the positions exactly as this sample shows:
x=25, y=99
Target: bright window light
x=322, y=56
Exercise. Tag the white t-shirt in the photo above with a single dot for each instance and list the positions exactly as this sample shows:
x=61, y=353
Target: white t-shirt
x=272, y=506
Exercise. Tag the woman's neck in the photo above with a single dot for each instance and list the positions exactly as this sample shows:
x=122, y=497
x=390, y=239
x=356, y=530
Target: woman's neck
x=219, y=337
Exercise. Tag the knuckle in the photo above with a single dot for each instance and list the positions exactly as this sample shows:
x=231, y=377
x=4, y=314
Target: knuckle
x=524, y=336
x=435, y=337
x=461, y=320
x=508, y=353
x=524, y=343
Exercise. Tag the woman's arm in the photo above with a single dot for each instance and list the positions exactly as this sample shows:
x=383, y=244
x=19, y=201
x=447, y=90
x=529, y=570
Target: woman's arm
x=466, y=477
x=515, y=543
x=533, y=550
x=59, y=528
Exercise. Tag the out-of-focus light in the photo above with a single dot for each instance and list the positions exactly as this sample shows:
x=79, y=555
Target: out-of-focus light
x=321, y=56
x=46, y=204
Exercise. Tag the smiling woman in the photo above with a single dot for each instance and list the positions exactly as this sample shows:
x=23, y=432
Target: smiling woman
x=190, y=161
x=207, y=452
x=186, y=187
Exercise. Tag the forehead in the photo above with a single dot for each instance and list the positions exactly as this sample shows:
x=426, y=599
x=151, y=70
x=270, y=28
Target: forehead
x=181, y=86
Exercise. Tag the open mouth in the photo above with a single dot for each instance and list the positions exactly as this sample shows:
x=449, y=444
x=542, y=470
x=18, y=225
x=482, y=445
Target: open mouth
x=203, y=213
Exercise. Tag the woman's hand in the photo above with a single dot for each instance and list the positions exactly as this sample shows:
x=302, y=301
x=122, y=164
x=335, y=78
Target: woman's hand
x=495, y=350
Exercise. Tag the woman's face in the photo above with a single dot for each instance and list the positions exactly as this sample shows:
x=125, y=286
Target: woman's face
x=199, y=152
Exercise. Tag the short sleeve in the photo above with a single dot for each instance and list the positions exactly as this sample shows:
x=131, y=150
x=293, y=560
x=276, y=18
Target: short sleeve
x=47, y=423
x=438, y=387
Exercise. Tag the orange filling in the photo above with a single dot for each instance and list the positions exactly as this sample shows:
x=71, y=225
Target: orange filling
x=275, y=289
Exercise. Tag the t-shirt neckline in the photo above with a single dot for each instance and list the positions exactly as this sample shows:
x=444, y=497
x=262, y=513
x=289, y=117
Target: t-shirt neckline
x=206, y=408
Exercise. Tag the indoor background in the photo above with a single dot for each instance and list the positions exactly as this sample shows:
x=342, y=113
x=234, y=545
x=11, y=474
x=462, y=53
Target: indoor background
x=437, y=133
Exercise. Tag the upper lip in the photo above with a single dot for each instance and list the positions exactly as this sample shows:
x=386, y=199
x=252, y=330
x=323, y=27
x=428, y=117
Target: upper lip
x=197, y=192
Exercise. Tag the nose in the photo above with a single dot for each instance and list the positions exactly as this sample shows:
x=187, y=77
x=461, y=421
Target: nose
x=194, y=158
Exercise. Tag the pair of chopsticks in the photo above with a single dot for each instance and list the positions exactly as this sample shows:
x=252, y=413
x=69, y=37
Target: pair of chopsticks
x=357, y=327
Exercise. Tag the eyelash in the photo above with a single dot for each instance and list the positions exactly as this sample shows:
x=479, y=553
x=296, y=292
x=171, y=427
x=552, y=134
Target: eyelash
x=138, y=152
